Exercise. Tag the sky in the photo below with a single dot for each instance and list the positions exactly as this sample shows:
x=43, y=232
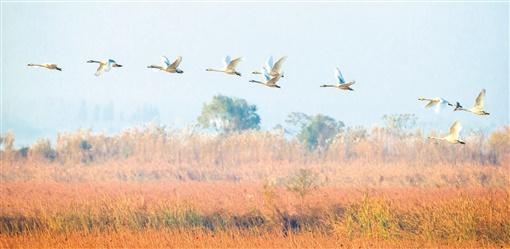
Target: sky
x=396, y=52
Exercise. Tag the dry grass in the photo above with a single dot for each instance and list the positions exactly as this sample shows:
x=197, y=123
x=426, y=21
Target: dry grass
x=153, y=188
x=224, y=214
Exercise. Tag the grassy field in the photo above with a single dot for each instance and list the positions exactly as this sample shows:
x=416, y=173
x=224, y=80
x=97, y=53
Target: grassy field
x=154, y=189
x=225, y=214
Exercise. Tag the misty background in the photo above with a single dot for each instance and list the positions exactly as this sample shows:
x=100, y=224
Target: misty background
x=395, y=52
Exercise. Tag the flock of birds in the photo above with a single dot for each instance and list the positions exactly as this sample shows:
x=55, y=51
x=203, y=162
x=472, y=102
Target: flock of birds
x=272, y=74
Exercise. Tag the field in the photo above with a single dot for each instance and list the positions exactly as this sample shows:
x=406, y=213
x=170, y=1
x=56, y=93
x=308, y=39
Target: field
x=152, y=188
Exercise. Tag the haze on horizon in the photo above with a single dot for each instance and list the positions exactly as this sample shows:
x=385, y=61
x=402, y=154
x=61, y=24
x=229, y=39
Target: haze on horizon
x=395, y=52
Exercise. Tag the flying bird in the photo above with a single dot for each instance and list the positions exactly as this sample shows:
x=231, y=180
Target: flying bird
x=477, y=108
x=438, y=102
x=104, y=66
x=453, y=136
x=273, y=68
x=50, y=66
x=230, y=66
x=270, y=80
x=167, y=66
x=342, y=85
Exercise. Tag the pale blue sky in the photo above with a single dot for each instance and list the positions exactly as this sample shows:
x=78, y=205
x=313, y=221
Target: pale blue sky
x=395, y=52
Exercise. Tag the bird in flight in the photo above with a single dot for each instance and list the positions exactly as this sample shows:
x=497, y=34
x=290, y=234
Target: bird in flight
x=167, y=66
x=477, y=108
x=341, y=84
x=104, y=66
x=270, y=80
x=273, y=68
x=438, y=102
x=453, y=136
x=230, y=66
x=50, y=66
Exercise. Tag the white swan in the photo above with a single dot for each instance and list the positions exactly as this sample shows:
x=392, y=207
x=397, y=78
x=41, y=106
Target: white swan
x=50, y=66
x=453, y=136
x=477, y=108
x=230, y=66
x=270, y=81
x=438, y=102
x=342, y=85
x=273, y=68
x=104, y=66
x=167, y=66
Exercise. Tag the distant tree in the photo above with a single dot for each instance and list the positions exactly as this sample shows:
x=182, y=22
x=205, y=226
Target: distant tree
x=7, y=141
x=400, y=122
x=302, y=182
x=97, y=113
x=146, y=113
x=315, y=131
x=108, y=112
x=83, y=112
x=42, y=149
x=296, y=120
x=227, y=115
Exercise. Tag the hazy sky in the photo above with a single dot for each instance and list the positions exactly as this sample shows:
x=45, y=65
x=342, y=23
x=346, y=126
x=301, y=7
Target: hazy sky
x=395, y=52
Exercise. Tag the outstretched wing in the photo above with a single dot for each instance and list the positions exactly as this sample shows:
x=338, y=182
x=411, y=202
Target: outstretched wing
x=176, y=62
x=455, y=129
x=278, y=65
x=234, y=62
x=165, y=61
x=227, y=60
x=266, y=74
x=101, y=69
x=339, y=75
x=269, y=62
x=109, y=65
x=479, y=100
x=431, y=104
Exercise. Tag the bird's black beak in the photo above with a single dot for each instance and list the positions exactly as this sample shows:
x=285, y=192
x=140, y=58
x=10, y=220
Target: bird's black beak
x=118, y=65
x=59, y=69
x=238, y=74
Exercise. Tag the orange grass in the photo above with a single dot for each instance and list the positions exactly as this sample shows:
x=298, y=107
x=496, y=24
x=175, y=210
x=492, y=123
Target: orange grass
x=153, y=188
x=218, y=214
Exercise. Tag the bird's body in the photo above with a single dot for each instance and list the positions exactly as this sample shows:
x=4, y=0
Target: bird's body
x=438, y=102
x=270, y=81
x=342, y=85
x=169, y=67
x=50, y=66
x=477, y=108
x=230, y=66
x=274, y=69
x=104, y=66
x=453, y=136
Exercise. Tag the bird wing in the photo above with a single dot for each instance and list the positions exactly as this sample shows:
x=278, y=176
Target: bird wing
x=266, y=74
x=274, y=80
x=165, y=61
x=431, y=104
x=176, y=62
x=277, y=66
x=234, y=62
x=339, y=75
x=455, y=129
x=101, y=69
x=109, y=65
x=227, y=60
x=269, y=62
x=479, y=100
x=441, y=104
